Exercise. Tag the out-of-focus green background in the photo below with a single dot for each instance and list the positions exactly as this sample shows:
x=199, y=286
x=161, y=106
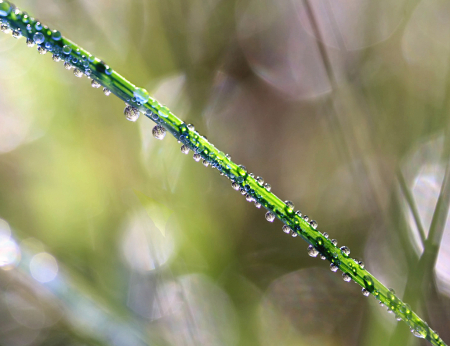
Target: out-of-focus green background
x=110, y=237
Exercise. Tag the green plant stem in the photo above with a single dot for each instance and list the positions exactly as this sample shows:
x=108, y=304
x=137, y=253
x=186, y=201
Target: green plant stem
x=97, y=70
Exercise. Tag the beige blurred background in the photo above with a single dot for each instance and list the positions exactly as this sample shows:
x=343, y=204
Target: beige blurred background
x=110, y=237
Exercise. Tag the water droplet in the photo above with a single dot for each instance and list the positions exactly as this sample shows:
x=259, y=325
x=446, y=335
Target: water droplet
x=228, y=156
x=267, y=187
x=365, y=292
x=270, y=216
x=345, y=251
x=106, y=91
x=56, y=35
x=235, y=186
x=56, y=58
x=298, y=213
x=30, y=42
x=242, y=171
x=67, y=49
x=260, y=181
x=42, y=50
x=141, y=95
x=334, y=242
x=243, y=192
x=205, y=163
x=361, y=264
x=67, y=65
x=38, y=38
x=4, y=27
x=190, y=127
x=289, y=206
x=313, y=224
x=249, y=198
x=16, y=34
x=346, y=277
x=286, y=229
x=294, y=234
x=312, y=251
x=333, y=267
x=132, y=114
x=108, y=70
x=185, y=149
x=322, y=257
x=325, y=234
x=159, y=132
x=197, y=157
x=306, y=218
x=398, y=318
x=95, y=84
x=418, y=334
x=257, y=205
x=38, y=26
x=78, y=73
x=5, y=8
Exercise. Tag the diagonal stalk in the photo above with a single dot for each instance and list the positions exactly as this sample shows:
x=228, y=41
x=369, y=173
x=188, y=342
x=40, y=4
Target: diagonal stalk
x=254, y=188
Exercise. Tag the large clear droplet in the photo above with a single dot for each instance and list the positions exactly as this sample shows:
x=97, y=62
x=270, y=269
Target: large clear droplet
x=159, y=132
x=345, y=251
x=141, y=95
x=286, y=229
x=95, y=84
x=78, y=73
x=56, y=35
x=5, y=8
x=185, y=149
x=132, y=114
x=346, y=277
x=270, y=216
x=267, y=186
x=313, y=224
x=67, y=49
x=312, y=251
x=235, y=186
x=38, y=38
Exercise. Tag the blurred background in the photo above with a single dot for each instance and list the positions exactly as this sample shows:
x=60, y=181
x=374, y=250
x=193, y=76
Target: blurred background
x=110, y=237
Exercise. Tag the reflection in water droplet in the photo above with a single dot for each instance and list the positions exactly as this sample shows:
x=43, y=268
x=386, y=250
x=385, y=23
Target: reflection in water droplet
x=345, y=251
x=16, y=34
x=159, y=132
x=56, y=35
x=38, y=38
x=67, y=49
x=185, y=149
x=313, y=224
x=270, y=216
x=312, y=251
x=42, y=50
x=67, y=65
x=132, y=114
x=257, y=205
x=267, y=187
x=141, y=95
x=95, y=84
x=43, y=267
x=56, y=57
x=30, y=42
x=106, y=91
x=346, y=277
x=77, y=72
x=365, y=292
x=197, y=157
x=235, y=186
x=286, y=229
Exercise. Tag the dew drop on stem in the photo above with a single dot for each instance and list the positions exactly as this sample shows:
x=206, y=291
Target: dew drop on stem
x=159, y=132
x=132, y=114
x=106, y=91
x=95, y=84
x=270, y=216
